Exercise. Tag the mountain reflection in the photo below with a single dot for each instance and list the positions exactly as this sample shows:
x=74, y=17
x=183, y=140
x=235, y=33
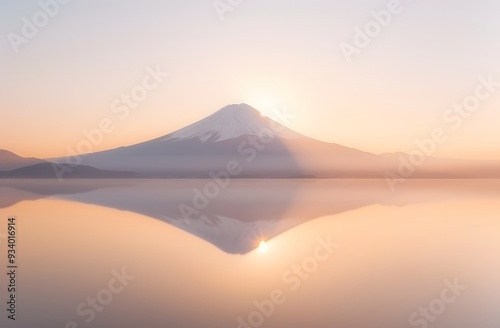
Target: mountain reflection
x=237, y=216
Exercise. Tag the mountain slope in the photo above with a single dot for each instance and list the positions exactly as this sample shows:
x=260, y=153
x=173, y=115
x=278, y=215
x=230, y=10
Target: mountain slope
x=261, y=147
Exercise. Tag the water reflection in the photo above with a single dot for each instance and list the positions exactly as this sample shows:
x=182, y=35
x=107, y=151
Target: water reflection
x=396, y=251
x=238, y=216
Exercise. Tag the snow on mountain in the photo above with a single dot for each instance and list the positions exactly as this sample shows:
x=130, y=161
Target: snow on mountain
x=231, y=122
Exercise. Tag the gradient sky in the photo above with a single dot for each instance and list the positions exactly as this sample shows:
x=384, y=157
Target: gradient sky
x=266, y=53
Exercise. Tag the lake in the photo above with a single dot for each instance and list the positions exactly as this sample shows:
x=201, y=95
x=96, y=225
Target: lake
x=253, y=253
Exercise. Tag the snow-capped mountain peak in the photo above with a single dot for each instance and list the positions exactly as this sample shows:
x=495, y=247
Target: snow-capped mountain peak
x=230, y=122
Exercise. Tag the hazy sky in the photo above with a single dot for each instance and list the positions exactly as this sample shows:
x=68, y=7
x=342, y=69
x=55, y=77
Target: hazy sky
x=66, y=77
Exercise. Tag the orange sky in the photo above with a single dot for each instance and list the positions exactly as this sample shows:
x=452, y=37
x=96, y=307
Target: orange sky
x=66, y=79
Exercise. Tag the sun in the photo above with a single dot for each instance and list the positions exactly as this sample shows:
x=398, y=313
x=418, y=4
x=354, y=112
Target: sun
x=263, y=103
x=263, y=247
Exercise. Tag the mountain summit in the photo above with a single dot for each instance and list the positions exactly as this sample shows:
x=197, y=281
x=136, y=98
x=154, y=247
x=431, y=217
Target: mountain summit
x=230, y=122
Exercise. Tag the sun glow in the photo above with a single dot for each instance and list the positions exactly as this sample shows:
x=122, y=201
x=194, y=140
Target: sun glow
x=263, y=247
x=264, y=104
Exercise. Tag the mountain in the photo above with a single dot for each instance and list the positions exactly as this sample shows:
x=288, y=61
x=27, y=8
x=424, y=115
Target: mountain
x=238, y=136
x=238, y=142
x=10, y=161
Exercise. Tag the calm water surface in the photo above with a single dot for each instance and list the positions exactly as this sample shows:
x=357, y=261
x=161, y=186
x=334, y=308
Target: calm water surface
x=346, y=253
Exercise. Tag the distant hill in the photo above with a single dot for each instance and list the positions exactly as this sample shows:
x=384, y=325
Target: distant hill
x=46, y=171
x=10, y=161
